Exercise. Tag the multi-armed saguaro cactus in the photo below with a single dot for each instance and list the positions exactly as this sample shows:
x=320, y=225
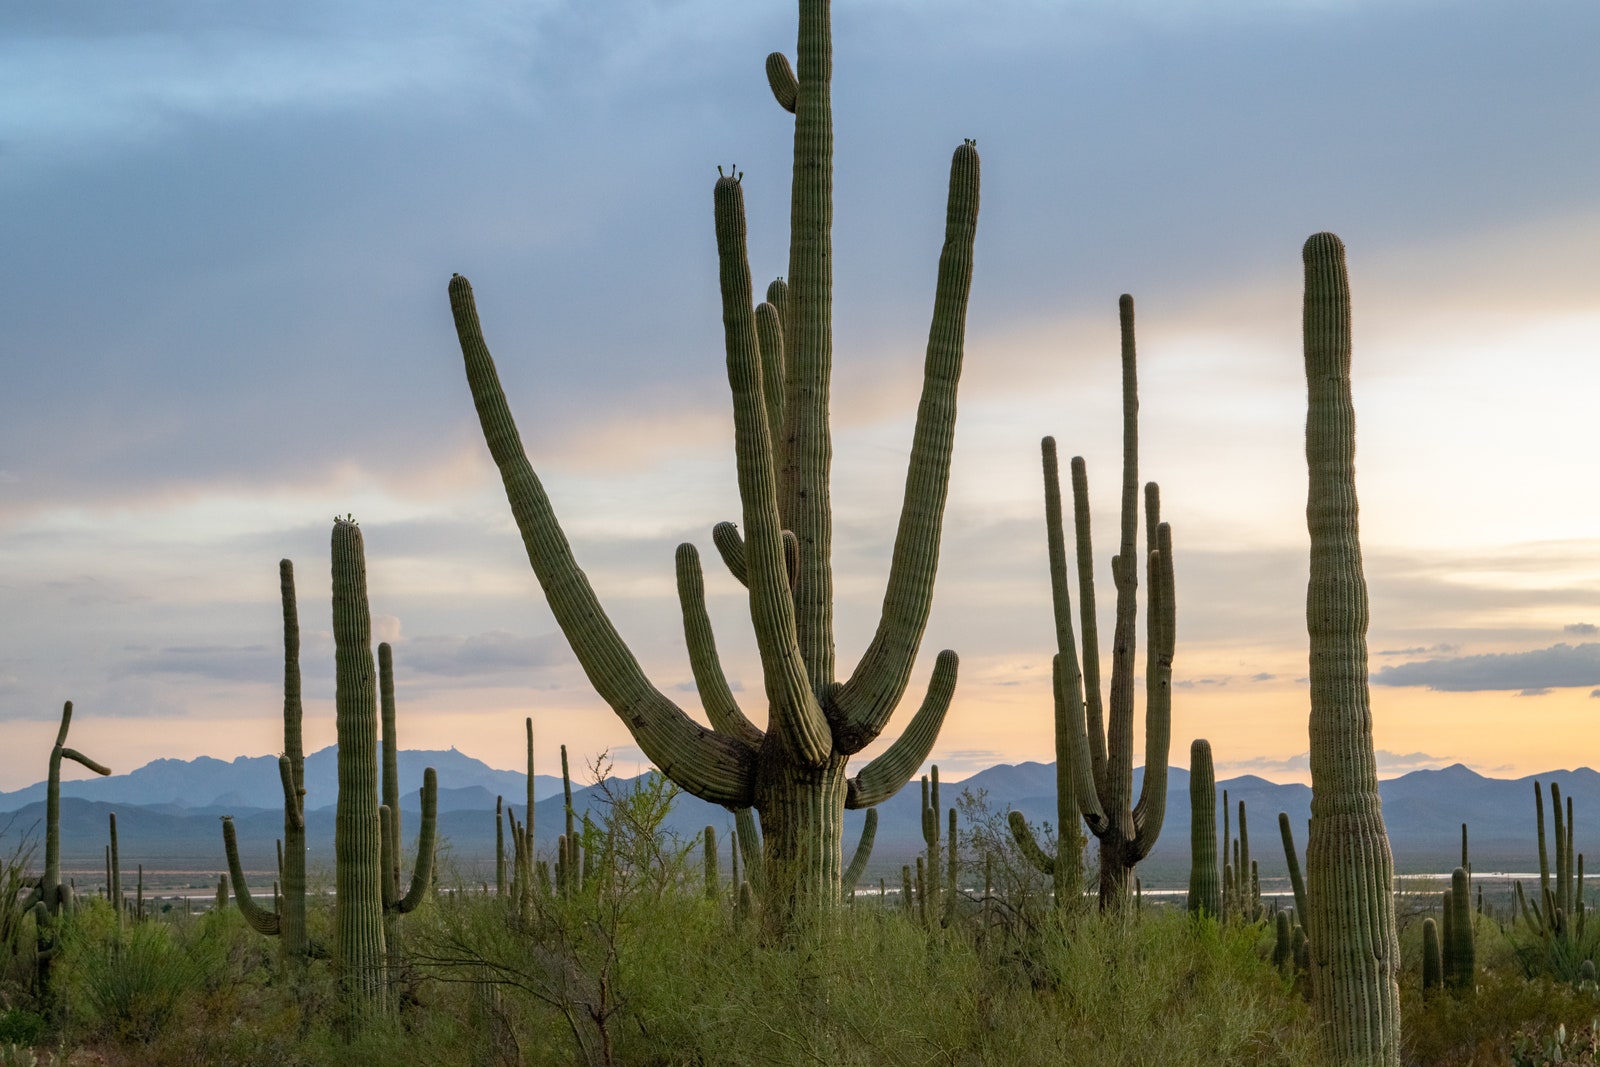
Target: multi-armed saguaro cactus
x=794, y=772
x=1559, y=913
x=288, y=921
x=51, y=896
x=1350, y=871
x=1205, y=892
x=396, y=903
x=1101, y=755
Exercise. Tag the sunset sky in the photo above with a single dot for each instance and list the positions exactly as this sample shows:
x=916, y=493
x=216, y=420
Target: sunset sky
x=229, y=230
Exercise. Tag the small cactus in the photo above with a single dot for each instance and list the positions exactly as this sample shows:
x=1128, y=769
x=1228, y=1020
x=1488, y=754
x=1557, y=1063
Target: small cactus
x=1205, y=893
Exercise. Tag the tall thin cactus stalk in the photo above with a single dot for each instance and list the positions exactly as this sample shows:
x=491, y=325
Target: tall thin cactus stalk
x=794, y=773
x=1205, y=892
x=358, y=826
x=1349, y=869
x=1101, y=763
x=288, y=920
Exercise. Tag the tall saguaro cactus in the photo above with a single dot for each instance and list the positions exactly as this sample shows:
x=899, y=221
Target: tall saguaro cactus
x=1349, y=869
x=358, y=828
x=1101, y=752
x=288, y=921
x=794, y=771
x=1205, y=892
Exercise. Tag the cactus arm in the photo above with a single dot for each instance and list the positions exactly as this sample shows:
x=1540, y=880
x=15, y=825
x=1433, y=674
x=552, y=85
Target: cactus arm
x=715, y=696
x=388, y=851
x=718, y=769
x=1356, y=957
x=1069, y=693
x=750, y=846
x=79, y=758
x=863, y=853
x=1151, y=810
x=730, y=546
x=1028, y=845
x=769, y=331
x=862, y=705
x=793, y=713
x=422, y=873
x=806, y=502
x=780, y=76
x=291, y=771
x=883, y=776
x=259, y=919
x=389, y=745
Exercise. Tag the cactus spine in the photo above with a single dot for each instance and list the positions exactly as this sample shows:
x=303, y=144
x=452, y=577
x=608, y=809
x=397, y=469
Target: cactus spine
x=1205, y=894
x=1102, y=753
x=358, y=827
x=1350, y=871
x=795, y=771
x=288, y=921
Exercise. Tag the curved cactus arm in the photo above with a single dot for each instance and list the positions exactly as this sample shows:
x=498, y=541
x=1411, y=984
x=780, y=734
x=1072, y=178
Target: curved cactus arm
x=863, y=853
x=714, y=768
x=769, y=331
x=1151, y=810
x=780, y=75
x=422, y=873
x=730, y=546
x=715, y=696
x=1093, y=707
x=1546, y=897
x=863, y=704
x=1292, y=855
x=1022, y=833
x=389, y=745
x=259, y=919
x=882, y=777
x=1069, y=692
x=750, y=846
x=1530, y=915
x=293, y=806
x=78, y=757
x=793, y=713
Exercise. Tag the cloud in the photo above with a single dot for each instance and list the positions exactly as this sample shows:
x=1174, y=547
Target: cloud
x=495, y=652
x=1535, y=692
x=1390, y=763
x=1581, y=629
x=1420, y=650
x=1262, y=676
x=232, y=663
x=1530, y=672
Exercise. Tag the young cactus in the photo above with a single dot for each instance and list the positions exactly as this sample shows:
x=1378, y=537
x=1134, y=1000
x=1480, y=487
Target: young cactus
x=795, y=771
x=396, y=902
x=1098, y=755
x=1205, y=893
x=1350, y=871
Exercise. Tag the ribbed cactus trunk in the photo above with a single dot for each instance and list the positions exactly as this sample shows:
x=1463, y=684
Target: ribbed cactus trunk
x=1349, y=869
x=358, y=831
x=1205, y=892
x=292, y=770
x=779, y=362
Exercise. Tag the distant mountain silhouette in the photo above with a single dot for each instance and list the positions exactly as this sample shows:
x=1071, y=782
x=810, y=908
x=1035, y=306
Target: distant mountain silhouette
x=168, y=811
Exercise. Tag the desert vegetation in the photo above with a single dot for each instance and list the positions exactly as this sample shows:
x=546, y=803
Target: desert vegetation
x=627, y=945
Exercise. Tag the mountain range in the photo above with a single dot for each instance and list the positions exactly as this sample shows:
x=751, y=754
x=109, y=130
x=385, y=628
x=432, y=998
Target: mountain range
x=168, y=811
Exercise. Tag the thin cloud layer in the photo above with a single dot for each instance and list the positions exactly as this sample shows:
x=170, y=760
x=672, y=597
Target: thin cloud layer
x=1532, y=673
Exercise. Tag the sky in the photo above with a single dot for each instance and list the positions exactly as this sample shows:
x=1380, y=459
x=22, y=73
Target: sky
x=229, y=231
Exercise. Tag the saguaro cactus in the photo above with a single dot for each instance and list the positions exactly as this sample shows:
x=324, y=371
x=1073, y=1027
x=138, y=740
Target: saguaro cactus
x=793, y=773
x=1101, y=753
x=288, y=921
x=51, y=897
x=1349, y=869
x=395, y=901
x=358, y=827
x=1205, y=893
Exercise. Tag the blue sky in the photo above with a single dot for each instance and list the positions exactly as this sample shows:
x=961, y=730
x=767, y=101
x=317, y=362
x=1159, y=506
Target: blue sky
x=230, y=232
